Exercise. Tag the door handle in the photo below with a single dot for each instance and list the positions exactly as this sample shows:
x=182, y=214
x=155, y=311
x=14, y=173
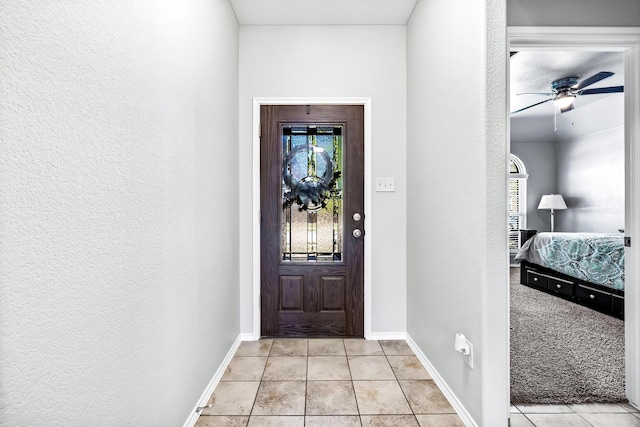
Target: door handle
x=357, y=233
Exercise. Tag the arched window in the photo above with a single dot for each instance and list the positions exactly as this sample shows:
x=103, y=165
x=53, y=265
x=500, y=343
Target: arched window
x=517, y=201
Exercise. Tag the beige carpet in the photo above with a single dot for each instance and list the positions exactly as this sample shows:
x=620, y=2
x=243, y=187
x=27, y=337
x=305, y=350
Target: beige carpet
x=562, y=352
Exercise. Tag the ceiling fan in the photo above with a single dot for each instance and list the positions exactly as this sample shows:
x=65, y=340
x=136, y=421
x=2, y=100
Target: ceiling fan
x=564, y=91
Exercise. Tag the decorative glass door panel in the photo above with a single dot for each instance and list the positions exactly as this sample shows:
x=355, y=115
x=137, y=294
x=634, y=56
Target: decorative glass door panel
x=312, y=193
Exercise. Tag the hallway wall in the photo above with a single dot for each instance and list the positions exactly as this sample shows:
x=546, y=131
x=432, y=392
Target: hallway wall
x=118, y=198
x=456, y=170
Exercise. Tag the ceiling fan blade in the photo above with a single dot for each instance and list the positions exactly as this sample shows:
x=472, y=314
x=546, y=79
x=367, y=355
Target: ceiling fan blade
x=591, y=80
x=525, y=108
x=534, y=93
x=595, y=91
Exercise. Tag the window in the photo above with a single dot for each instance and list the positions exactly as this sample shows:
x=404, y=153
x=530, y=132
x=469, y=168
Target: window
x=517, y=201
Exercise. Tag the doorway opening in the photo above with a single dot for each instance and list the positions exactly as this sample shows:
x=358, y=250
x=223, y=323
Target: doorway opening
x=627, y=45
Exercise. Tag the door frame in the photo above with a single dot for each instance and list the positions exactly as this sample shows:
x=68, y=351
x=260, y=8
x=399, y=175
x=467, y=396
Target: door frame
x=259, y=101
x=626, y=40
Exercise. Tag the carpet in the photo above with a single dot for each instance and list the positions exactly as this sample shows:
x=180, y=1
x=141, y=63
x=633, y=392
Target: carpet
x=563, y=353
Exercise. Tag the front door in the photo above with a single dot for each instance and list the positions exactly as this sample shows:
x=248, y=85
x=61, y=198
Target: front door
x=312, y=220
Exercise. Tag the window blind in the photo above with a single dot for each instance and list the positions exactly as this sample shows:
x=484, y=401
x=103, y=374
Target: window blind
x=517, y=211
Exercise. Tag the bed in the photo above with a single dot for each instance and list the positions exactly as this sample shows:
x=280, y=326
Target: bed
x=586, y=268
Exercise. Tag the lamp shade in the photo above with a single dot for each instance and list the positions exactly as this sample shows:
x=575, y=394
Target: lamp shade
x=552, y=201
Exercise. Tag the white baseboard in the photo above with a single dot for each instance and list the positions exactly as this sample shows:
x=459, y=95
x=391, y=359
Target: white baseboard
x=249, y=336
x=204, y=398
x=386, y=336
x=446, y=390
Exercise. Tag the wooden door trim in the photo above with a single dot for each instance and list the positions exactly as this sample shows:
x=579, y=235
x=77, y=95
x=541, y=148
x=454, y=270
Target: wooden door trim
x=259, y=101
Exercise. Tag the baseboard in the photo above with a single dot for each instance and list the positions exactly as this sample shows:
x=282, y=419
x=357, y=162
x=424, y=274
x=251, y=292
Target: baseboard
x=446, y=390
x=386, y=336
x=249, y=336
x=204, y=398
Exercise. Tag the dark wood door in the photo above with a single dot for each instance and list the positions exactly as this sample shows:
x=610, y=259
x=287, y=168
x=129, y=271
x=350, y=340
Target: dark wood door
x=312, y=220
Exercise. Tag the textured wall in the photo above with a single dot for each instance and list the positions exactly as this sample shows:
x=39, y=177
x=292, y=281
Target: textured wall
x=118, y=196
x=337, y=61
x=456, y=166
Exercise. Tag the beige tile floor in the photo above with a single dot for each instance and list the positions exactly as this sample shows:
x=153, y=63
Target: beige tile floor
x=327, y=382
x=355, y=382
x=585, y=415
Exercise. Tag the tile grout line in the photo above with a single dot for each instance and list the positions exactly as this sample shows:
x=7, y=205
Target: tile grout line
x=587, y=421
x=306, y=386
x=386, y=356
x=259, y=384
x=528, y=419
x=353, y=386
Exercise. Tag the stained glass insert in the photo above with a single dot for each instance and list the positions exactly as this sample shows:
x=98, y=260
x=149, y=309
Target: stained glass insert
x=312, y=193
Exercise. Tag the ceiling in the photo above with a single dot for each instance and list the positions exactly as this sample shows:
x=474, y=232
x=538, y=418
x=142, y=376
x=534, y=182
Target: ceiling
x=533, y=71
x=323, y=12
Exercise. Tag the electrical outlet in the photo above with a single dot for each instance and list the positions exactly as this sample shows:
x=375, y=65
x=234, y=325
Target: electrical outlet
x=465, y=348
x=385, y=184
x=469, y=358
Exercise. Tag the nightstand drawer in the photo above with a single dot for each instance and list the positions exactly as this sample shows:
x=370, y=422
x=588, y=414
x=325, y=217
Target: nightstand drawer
x=594, y=298
x=561, y=287
x=536, y=280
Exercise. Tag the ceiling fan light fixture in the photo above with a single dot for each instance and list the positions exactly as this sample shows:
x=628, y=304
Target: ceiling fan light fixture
x=564, y=100
x=564, y=91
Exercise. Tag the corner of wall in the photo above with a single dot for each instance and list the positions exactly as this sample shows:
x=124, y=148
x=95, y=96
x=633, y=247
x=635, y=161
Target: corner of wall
x=213, y=383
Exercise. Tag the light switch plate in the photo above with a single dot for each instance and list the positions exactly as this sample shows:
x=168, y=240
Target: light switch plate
x=385, y=184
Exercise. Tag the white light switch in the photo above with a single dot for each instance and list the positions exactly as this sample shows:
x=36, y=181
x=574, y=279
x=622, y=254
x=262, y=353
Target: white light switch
x=385, y=184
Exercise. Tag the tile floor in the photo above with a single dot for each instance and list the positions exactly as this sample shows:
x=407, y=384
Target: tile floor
x=586, y=415
x=355, y=382
x=327, y=382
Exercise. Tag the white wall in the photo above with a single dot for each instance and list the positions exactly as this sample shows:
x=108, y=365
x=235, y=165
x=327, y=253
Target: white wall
x=335, y=61
x=591, y=13
x=118, y=239
x=539, y=159
x=456, y=173
x=591, y=169
x=591, y=178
